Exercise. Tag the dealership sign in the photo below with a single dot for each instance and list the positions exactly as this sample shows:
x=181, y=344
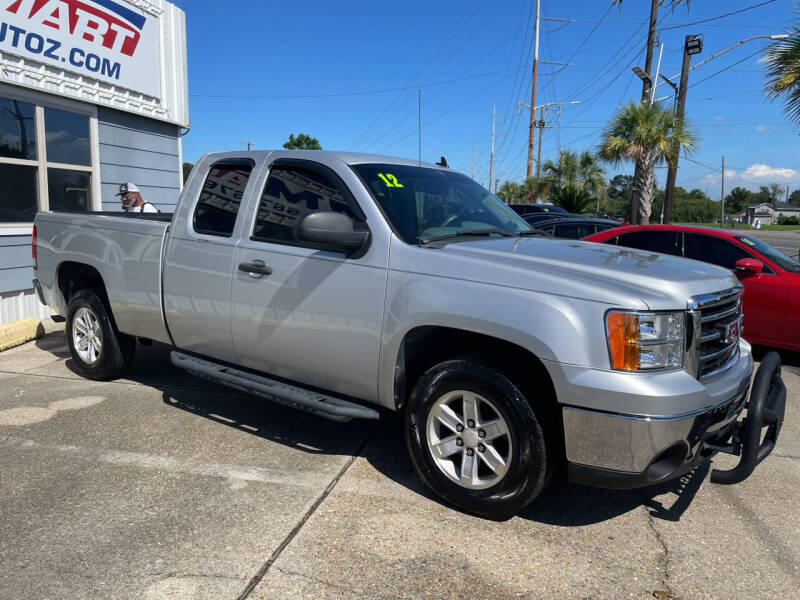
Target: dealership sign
x=101, y=39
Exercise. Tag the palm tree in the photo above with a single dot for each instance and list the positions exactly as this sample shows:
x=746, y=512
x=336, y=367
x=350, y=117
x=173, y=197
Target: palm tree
x=783, y=72
x=572, y=199
x=646, y=133
x=581, y=171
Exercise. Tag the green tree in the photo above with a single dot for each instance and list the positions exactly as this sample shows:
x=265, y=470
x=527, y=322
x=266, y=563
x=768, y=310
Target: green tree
x=694, y=207
x=580, y=171
x=782, y=60
x=738, y=200
x=572, y=198
x=620, y=192
x=645, y=133
x=187, y=168
x=794, y=198
x=511, y=192
x=302, y=142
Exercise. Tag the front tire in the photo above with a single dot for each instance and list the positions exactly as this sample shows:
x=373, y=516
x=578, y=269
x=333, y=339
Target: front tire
x=98, y=350
x=475, y=440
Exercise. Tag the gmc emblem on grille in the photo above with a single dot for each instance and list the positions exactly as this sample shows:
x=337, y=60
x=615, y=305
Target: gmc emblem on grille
x=730, y=332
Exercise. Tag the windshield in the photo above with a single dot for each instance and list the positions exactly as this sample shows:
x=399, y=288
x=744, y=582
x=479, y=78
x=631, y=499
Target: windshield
x=776, y=256
x=423, y=203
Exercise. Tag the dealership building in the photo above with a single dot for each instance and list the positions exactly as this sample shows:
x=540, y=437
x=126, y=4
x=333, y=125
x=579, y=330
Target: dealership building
x=93, y=93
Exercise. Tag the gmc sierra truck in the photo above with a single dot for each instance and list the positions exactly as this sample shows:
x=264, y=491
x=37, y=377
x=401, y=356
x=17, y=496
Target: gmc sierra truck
x=349, y=284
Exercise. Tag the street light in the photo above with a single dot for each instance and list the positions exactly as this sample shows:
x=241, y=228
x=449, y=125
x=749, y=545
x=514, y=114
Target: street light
x=693, y=44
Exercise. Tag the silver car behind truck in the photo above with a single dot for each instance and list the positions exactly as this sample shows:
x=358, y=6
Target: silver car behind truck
x=347, y=284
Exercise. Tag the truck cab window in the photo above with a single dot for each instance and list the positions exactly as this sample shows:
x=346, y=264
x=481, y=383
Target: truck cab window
x=289, y=192
x=220, y=199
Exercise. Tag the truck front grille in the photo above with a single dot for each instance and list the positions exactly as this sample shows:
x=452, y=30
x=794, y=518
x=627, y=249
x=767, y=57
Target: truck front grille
x=717, y=320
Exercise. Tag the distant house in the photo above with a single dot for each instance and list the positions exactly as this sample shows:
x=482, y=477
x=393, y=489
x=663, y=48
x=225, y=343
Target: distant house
x=768, y=213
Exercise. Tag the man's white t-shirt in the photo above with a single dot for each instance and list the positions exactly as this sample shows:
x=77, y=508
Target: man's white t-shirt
x=144, y=208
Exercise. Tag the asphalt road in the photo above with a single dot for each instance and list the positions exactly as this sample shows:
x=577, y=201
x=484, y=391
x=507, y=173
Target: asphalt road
x=163, y=486
x=787, y=242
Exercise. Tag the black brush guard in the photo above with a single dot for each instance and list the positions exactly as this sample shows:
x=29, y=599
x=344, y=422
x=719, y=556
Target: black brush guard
x=765, y=409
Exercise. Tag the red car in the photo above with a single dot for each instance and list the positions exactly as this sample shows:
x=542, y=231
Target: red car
x=771, y=279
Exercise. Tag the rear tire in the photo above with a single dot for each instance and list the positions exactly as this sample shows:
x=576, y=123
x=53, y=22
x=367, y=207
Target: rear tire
x=475, y=440
x=98, y=349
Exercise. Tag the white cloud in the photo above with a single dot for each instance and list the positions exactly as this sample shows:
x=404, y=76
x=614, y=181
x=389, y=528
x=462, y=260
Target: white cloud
x=759, y=173
x=761, y=128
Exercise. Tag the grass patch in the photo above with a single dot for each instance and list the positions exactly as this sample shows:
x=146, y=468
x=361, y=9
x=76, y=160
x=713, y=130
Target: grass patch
x=746, y=227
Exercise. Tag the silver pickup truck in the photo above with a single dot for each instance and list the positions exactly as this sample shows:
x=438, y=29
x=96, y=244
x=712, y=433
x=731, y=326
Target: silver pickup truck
x=349, y=284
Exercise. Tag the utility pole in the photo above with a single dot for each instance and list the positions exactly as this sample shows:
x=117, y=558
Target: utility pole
x=723, y=192
x=491, y=151
x=473, y=160
x=646, y=84
x=533, y=90
x=248, y=143
x=541, y=135
x=692, y=45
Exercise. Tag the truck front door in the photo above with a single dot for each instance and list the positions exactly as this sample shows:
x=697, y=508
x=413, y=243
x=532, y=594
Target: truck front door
x=299, y=312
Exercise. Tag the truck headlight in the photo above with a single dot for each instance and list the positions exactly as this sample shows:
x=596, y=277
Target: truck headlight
x=644, y=341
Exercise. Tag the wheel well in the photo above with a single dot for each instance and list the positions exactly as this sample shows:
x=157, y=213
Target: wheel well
x=74, y=277
x=424, y=347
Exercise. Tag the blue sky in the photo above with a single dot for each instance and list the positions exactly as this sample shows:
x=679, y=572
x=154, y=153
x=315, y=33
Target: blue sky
x=348, y=73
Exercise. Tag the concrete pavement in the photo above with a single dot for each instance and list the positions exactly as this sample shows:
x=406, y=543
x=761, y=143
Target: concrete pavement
x=164, y=486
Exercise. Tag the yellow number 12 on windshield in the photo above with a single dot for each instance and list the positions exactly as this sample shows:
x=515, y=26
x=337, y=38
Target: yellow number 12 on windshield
x=390, y=180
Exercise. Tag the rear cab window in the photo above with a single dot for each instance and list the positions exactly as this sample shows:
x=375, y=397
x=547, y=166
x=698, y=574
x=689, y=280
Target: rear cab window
x=221, y=197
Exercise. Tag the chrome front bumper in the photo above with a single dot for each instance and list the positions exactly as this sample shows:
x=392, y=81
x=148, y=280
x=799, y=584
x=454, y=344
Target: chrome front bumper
x=610, y=445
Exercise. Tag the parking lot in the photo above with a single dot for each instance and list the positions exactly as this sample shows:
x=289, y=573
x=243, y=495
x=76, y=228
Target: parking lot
x=787, y=242
x=164, y=486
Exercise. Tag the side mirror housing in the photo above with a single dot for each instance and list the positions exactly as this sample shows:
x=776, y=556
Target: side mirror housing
x=749, y=265
x=332, y=229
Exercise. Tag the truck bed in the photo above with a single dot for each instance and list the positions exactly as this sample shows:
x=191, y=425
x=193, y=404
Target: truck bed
x=125, y=249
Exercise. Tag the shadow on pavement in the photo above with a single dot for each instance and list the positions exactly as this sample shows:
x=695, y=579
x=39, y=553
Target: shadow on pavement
x=562, y=504
x=790, y=360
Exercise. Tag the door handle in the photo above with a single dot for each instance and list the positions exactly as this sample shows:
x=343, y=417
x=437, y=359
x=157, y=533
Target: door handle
x=255, y=269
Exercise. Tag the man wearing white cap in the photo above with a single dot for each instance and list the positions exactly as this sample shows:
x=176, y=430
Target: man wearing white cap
x=132, y=200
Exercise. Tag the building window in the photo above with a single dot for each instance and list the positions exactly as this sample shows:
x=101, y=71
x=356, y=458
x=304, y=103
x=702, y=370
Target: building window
x=45, y=160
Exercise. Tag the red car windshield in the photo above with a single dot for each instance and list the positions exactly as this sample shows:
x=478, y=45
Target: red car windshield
x=776, y=256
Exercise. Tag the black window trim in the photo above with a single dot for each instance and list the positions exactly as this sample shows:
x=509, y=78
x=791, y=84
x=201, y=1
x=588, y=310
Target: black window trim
x=324, y=171
x=767, y=269
x=224, y=162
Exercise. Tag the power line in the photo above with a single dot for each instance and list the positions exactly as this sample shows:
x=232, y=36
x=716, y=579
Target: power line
x=433, y=57
x=362, y=92
x=468, y=38
x=735, y=12
x=445, y=113
x=748, y=57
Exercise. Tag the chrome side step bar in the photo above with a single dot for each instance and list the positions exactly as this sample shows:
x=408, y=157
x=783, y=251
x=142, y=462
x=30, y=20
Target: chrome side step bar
x=316, y=403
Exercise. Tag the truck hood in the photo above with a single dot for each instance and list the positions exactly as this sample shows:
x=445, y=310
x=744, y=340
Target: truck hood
x=599, y=272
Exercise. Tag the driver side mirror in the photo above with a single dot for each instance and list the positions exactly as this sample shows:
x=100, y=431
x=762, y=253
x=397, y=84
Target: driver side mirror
x=332, y=229
x=749, y=266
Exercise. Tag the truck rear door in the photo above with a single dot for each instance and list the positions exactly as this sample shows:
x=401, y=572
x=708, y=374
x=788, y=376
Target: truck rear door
x=199, y=263
x=309, y=315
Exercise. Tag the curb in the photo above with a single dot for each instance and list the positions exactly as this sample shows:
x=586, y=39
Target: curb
x=19, y=332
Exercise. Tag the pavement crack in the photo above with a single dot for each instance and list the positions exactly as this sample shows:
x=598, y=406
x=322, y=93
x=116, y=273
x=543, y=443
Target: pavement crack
x=261, y=573
x=665, y=555
x=328, y=583
x=789, y=456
